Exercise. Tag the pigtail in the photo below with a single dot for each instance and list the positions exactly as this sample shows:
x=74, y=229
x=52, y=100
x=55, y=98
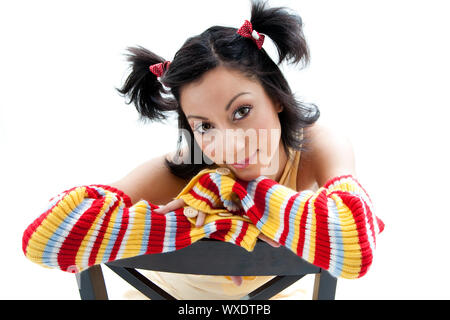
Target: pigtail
x=143, y=87
x=284, y=28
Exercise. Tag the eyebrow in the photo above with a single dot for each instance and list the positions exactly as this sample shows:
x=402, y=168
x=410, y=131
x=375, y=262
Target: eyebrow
x=226, y=108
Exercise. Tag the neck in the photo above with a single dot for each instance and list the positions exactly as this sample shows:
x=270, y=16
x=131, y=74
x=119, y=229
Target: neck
x=282, y=161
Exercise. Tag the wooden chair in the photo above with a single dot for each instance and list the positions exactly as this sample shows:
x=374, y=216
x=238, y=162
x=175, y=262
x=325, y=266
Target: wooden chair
x=212, y=257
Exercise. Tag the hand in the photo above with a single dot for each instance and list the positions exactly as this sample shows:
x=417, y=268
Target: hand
x=179, y=203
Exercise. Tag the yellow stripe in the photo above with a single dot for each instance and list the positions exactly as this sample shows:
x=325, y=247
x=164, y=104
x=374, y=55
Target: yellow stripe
x=346, y=185
x=275, y=200
x=298, y=219
x=133, y=243
x=312, y=236
x=40, y=237
x=251, y=236
x=350, y=240
x=88, y=237
x=107, y=236
x=227, y=237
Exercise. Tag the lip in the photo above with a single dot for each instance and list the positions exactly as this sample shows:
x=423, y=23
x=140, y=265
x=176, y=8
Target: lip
x=246, y=162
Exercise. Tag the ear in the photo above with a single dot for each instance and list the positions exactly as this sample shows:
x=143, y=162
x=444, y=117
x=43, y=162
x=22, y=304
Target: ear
x=279, y=107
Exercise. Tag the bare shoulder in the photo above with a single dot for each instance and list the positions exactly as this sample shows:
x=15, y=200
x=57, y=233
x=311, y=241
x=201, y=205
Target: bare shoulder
x=151, y=181
x=330, y=154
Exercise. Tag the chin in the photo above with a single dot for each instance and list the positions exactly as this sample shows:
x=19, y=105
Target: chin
x=246, y=174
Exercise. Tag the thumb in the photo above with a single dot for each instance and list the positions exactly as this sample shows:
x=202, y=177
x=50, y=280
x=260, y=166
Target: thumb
x=268, y=240
x=171, y=206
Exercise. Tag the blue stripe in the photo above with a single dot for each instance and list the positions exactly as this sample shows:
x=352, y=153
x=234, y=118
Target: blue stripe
x=336, y=270
x=209, y=228
x=147, y=226
x=50, y=258
x=265, y=216
x=114, y=234
x=170, y=232
x=292, y=214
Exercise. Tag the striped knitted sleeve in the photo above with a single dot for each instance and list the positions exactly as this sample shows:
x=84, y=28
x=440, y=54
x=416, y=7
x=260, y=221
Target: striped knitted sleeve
x=94, y=224
x=334, y=228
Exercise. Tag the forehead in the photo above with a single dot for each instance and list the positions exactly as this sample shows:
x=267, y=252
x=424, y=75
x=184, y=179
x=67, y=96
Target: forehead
x=216, y=86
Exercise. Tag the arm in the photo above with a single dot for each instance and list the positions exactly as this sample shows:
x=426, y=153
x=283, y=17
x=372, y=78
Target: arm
x=94, y=224
x=139, y=183
x=334, y=228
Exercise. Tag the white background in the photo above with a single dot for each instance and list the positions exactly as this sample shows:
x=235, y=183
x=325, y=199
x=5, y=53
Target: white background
x=379, y=71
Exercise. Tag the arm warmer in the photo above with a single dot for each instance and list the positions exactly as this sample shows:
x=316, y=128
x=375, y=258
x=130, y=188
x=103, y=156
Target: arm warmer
x=333, y=228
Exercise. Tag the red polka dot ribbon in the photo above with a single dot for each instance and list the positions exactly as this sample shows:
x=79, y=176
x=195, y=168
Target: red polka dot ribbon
x=247, y=31
x=159, y=68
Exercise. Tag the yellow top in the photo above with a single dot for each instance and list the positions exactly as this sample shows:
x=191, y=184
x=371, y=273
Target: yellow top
x=205, y=287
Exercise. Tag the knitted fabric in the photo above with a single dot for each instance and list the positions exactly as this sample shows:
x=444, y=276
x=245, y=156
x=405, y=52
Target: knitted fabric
x=246, y=30
x=333, y=228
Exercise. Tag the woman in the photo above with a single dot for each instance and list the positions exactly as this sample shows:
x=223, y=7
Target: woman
x=223, y=81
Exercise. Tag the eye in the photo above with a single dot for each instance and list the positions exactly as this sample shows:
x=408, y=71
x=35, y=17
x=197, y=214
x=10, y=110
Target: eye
x=200, y=126
x=243, y=111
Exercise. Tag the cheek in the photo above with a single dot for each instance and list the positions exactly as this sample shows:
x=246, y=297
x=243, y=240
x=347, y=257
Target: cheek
x=208, y=147
x=268, y=131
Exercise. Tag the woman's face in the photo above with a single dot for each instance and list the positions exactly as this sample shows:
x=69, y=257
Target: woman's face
x=234, y=121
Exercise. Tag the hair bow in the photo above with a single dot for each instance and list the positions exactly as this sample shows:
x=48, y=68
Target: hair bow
x=247, y=31
x=159, y=68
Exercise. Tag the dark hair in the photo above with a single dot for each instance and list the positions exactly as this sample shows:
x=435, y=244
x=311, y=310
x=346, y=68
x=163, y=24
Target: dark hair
x=217, y=46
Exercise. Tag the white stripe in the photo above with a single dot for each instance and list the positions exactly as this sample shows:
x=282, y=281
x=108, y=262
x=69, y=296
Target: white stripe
x=207, y=196
x=114, y=233
x=90, y=244
x=236, y=233
x=170, y=232
x=307, y=242
x=281, y=219
x=129, y=226
x=295, y=211
x=370, y=234
x=50, y=254
x=336, y=246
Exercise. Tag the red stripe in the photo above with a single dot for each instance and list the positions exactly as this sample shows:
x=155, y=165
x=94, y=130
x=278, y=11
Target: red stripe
x=370, y=221
x=287, y=224
x=380, y=224
x=207, y=183
x=36, y=223
x=182, y=237
x=223, y=227
x=77, y=234
x=32, y=229
x=123, y=229
x=241, y=235
x=101, y=233
x=240, y=188
x=333, y=180
x=157, y=233
x=362, y=188
x=322, y=234
x=118, y=192
x=260, y=195
x=356, y=207
x=201, y=198
x=301, y=240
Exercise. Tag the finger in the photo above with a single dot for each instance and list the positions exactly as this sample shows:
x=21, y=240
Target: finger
x=171, y=206
x=200, y=219
x=237, y=280
x=268, y=240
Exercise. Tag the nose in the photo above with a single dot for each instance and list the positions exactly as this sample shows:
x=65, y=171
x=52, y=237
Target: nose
x=236, y=145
